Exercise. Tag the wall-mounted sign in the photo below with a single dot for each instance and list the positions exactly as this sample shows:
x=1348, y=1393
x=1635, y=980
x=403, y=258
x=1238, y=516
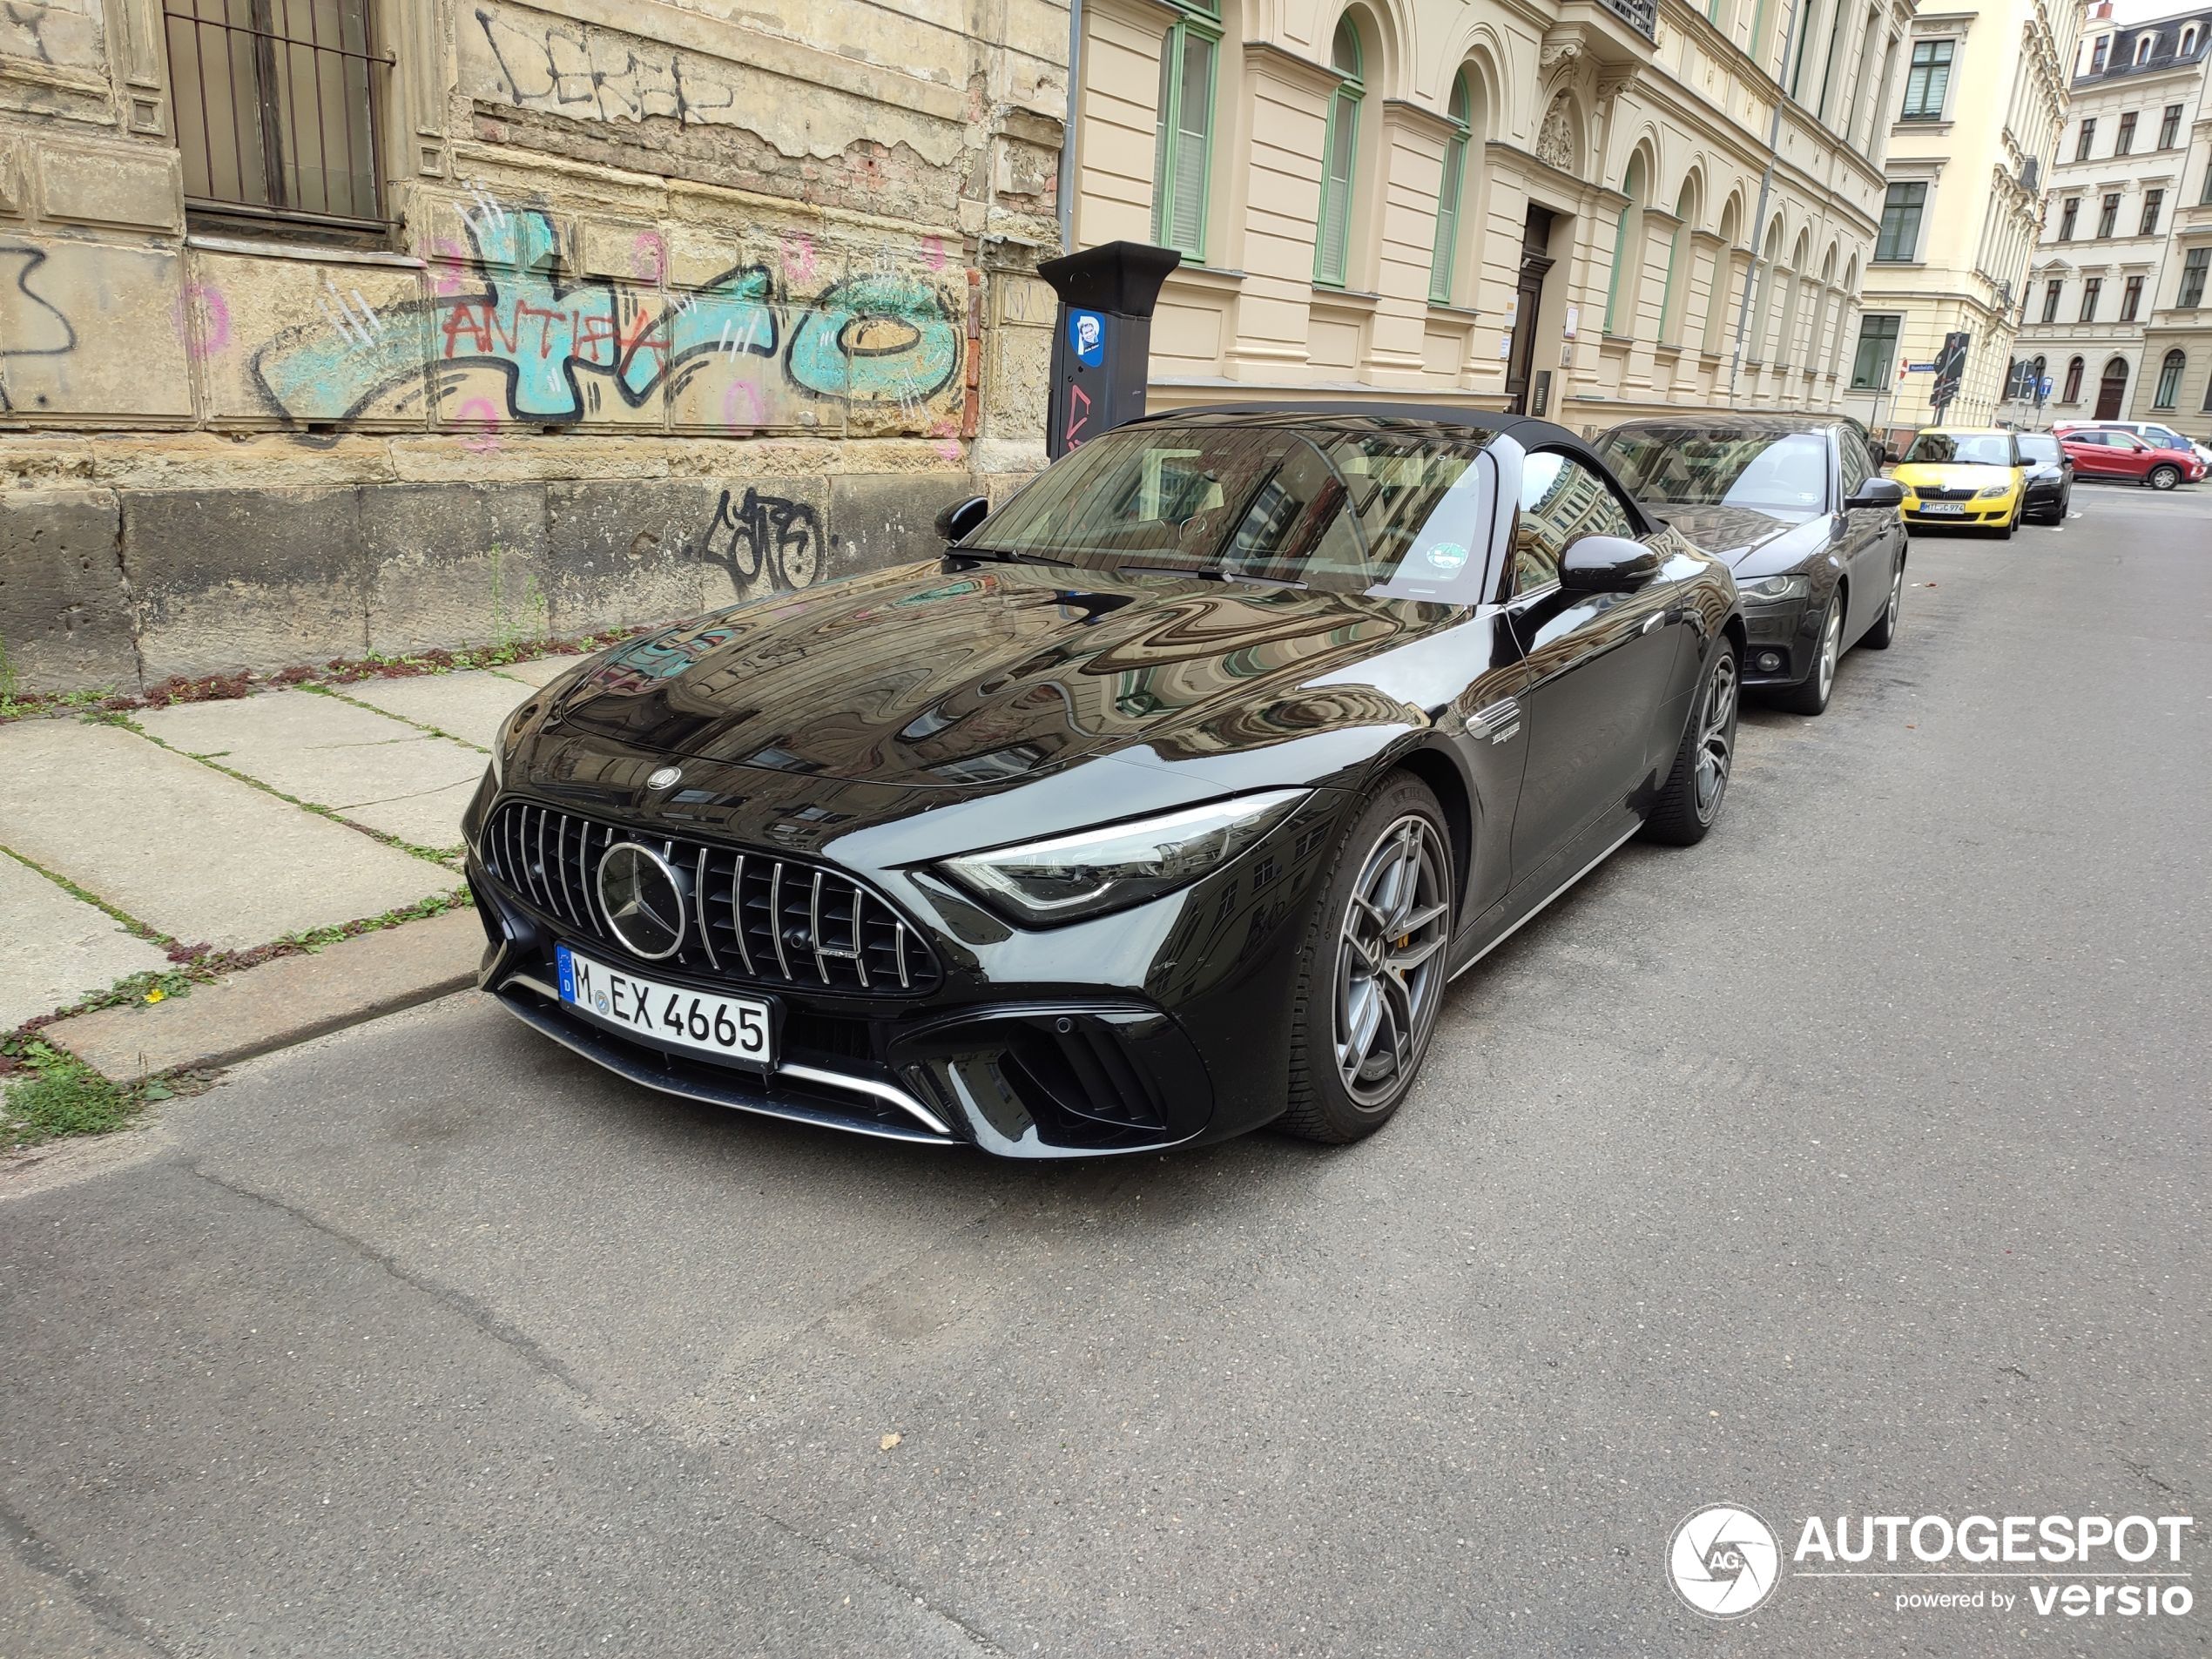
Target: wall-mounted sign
x=1574, y=320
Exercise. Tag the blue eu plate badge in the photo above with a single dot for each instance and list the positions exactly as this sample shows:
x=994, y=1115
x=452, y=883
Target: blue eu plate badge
x=1087, y=337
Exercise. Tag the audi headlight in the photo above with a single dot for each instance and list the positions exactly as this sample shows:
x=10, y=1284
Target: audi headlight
x=1992, y=492
x=1773, y=589
x=1094, y=871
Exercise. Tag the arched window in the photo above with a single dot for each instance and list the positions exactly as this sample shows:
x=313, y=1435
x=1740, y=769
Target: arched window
x=1339, y=155
x=2143, y=44
x=1627, y=254
x=2188, y=41
x=1763, y=301
x=2072, y=393
x=1670, y=304
x=1447, y=194
x=1183, y=153
x=1720, y=299
x=2170, y=380
x=2035, y=386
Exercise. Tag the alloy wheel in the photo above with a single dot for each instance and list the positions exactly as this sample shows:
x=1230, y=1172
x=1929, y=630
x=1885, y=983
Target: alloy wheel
x=1832, y=649
x=1716, y=737
x=1897, y=600
x=1390, y=960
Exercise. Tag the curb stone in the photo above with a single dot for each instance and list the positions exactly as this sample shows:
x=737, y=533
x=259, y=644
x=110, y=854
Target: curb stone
x=282, y=1001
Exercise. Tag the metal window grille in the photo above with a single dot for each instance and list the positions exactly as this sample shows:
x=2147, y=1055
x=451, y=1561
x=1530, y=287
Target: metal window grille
x=277, y=107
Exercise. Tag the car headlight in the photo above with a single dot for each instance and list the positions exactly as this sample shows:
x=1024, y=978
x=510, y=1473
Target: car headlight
x=1772, y=590
x=1094, y=871
x=1992, y=492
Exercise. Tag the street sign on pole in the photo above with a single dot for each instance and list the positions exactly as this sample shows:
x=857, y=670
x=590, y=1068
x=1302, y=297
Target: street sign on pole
x=1950, y=370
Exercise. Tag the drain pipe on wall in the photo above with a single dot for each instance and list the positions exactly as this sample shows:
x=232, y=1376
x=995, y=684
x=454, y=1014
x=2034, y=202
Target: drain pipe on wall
x=1067, y=130
x=1766, y=187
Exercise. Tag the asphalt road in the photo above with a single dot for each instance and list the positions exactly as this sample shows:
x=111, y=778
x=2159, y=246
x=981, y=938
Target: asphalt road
x=1852, y=1162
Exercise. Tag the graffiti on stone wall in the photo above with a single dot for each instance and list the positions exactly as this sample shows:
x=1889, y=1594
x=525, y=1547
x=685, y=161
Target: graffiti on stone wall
x=563, y=350
x=30, y=324
x=766, y=533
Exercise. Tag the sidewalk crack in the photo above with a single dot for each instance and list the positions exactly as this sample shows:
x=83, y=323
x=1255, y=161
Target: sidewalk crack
x=524, y=1346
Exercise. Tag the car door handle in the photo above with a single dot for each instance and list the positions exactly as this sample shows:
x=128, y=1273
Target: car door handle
x=1655, y=619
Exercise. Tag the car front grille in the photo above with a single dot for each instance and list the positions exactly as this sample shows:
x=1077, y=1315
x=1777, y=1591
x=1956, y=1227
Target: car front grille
x=752, y=916
x=1966, y=492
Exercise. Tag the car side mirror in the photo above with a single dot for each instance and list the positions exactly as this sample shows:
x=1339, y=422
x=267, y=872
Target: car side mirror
x=1606, y=565
x=1877, y=492
x=958, y=521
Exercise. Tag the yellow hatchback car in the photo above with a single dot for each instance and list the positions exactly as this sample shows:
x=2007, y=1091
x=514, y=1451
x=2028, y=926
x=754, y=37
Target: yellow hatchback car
x=1963, y=475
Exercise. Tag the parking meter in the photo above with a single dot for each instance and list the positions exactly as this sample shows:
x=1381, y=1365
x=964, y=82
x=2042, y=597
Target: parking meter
x=1101, y=342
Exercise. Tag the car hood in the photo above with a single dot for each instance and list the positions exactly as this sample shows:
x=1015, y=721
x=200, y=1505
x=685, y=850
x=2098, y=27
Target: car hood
x=1925, y=474
x=1731, y=533
x=975, y=676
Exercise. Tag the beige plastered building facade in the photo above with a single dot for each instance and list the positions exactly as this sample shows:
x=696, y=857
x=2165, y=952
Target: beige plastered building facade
x=330, y=327
x=1967, y=169
x=1601, y=234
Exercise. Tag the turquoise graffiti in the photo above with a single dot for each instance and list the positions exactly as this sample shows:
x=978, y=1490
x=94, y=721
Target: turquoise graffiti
x=564, y=348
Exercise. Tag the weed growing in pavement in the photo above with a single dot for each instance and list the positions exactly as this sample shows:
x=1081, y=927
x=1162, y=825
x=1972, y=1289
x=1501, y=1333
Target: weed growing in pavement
x=339, y=671
x=53, y=1093
x=203, y=964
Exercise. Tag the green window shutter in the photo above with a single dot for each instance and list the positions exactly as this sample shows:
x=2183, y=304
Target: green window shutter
x=1164, y=137
x=1330, y=247
x=1193, y=144
x=1447, y=220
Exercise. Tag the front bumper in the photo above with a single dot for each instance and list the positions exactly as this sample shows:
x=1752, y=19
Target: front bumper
x=1974, y=513
x=1158, y=1026
x=1781, y=642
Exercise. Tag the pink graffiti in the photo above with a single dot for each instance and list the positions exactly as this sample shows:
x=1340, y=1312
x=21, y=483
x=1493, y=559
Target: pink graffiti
x=648, y=258
x=933, y=249
x=799, y=258
x=479, y=412
x=204, y=319
x=448, y=268
x=750, y=394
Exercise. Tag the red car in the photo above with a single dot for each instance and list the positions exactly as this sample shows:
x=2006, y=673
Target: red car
x=2102, y=452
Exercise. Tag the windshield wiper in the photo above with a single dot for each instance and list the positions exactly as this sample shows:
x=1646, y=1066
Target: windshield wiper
x=1204, y=573
x=1008, y=556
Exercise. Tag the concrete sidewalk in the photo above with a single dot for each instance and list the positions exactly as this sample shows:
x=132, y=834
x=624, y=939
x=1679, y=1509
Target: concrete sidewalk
x=138, y=843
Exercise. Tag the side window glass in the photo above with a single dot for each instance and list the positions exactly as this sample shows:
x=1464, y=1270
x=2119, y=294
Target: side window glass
x=1851, y=463
x=1561, y=502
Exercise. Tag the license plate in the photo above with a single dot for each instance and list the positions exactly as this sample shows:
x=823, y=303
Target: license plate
x=730, y=1028
x=1953, y=507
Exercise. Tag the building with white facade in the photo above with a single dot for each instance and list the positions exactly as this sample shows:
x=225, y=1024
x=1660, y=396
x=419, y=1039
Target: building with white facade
x=2110, y=273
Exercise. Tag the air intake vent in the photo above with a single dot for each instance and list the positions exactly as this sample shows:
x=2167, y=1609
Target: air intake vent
x=748, y=915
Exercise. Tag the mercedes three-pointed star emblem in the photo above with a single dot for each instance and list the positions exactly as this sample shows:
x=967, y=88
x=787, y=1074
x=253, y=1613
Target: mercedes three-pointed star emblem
x=642, y=900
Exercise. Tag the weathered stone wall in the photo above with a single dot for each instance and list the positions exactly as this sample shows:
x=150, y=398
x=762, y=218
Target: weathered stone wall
x=670, y=312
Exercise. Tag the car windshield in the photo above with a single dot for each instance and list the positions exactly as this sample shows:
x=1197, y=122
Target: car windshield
x=1963, y=448
x=2038, y=448
x=1397, y=508
x=1722, y=466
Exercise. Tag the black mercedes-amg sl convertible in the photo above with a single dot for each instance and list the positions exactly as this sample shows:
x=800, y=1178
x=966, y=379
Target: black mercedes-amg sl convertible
x=1163, y=807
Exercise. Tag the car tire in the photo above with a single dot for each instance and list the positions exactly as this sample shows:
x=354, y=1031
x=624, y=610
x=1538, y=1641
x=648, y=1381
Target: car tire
x=1882, y=634
x=1690, y=801
x=1353, y=979
x=1810, y=694
x=2004, y=531
x=2164, y=476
